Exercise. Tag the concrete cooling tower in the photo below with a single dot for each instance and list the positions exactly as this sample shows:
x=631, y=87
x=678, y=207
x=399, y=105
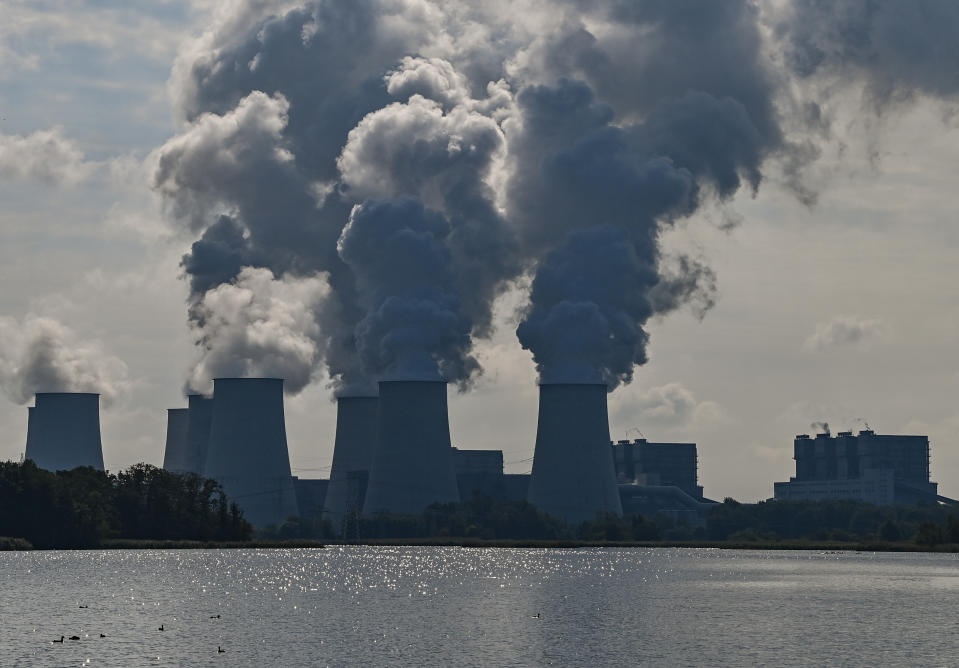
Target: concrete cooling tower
x=30, y=427
x=573, y=476
x=352, y=455
x=175, y=454
x=412, y=460
x=247, y=451
x=198, y=432
x=63, y=431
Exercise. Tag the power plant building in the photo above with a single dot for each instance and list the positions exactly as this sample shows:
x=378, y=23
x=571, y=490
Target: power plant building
x=176, y=454
x=658, y=464
x=248, y=451
x=356, y=419
x=63, y=431
x=875, y=468
x=482, y=471
x=573, y=476
x=412, y=464
x=198, y=432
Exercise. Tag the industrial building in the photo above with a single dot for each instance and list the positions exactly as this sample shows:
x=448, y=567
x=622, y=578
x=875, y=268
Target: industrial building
x=660, y=478
x=870, y=467
x=658, y=464
x=573, y=476
x=63, y=431
x=482, y=471
x=247, y=452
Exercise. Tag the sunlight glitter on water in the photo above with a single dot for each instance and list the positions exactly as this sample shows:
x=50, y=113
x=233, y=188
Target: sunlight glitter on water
x=428, y=606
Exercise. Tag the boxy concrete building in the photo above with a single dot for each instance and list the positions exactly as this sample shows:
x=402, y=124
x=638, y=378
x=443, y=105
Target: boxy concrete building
x=875, y=468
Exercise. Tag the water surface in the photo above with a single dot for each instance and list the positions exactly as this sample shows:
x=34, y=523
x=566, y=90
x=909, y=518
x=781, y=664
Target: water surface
x=478, y=607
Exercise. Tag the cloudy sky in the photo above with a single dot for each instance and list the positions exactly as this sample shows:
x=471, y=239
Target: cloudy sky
x=130, y=131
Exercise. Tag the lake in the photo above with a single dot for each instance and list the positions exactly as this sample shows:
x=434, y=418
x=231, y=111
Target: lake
x=445, y=606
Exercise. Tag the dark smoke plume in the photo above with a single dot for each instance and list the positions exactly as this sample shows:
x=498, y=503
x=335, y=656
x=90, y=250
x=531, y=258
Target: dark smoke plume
x=414, y=328
x=900, y=50
x=555, y=138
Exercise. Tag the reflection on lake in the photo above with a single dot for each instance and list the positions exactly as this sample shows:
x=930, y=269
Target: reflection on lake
x=478, y=607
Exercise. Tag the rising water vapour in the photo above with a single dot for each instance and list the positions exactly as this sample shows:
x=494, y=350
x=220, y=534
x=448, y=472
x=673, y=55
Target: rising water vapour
x=341, y=142
x=40, y=354
x=259, y=326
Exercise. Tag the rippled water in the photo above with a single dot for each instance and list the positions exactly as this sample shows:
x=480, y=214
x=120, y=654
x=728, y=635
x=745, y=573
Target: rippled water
x=478, y=607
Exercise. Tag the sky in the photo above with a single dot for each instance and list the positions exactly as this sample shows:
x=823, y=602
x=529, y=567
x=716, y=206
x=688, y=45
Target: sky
x=824, y=232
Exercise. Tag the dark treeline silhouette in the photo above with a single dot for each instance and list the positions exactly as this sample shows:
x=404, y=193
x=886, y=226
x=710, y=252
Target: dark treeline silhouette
x=479, y=517
x=484, y=518
x=832, y=521
x=82, y=507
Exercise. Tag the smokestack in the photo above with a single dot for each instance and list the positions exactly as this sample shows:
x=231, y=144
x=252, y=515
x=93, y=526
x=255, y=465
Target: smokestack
x=63, y=431
x=198, y=432
x=352, y=455
x=573, y=476
x=247, y=451
x=412, y=459
x=176, y=454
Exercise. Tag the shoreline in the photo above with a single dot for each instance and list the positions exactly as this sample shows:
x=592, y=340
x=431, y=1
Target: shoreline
x=20, y=545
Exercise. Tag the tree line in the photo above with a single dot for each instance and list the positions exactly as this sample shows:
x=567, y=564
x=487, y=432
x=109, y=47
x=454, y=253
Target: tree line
x=484, y=518
x=84, y=507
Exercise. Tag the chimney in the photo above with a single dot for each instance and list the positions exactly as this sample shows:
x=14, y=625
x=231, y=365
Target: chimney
x=247, y=451
x=63, y=431
x=176, y=454
x=352, y=454
x=573, y=476
x=412, y=463
x=198, y=432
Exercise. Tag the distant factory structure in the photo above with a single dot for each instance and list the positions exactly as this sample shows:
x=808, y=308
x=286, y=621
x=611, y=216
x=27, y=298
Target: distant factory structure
x=393, y=454
x=876, y=468
x=660, y=478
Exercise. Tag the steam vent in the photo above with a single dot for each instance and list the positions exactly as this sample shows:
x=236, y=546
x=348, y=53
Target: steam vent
x=573, y=476
x=63, y=431
x=176, y=454
x=352, y=454
x=412, y=460
x=248, y=453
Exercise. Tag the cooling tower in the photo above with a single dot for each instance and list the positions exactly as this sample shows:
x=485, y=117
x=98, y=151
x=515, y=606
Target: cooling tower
x=198, y=432
x=412, y=460
x=247, y=450
x=352, y=454
x=30, y=428
x=176, y=454
x=63, y=431
x=573, y=476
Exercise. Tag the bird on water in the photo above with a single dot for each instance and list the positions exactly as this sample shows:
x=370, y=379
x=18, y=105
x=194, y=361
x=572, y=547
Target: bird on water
x=60, y=640
x=74, y=637
x=161, y=628
x=220, y=650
